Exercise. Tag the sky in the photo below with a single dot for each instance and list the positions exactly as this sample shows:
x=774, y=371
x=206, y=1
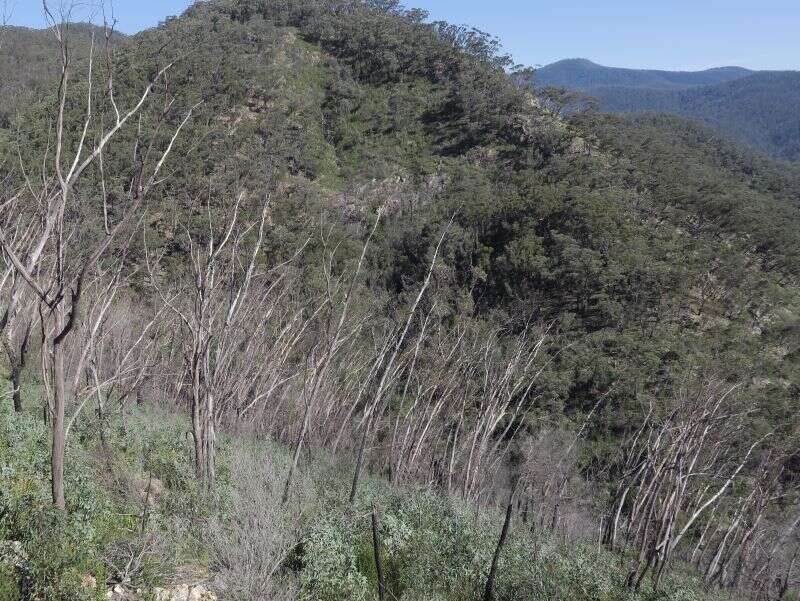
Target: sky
x=656, y=34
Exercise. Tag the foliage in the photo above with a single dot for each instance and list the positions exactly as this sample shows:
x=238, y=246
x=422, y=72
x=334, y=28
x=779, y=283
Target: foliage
x=29, y=65
x=102, y=529
x=439, y=548
x=56, y=548
x=644, y=247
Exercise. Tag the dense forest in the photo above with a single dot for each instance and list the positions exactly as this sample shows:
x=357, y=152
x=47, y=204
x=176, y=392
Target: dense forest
x=755, y=108
x=308, y=299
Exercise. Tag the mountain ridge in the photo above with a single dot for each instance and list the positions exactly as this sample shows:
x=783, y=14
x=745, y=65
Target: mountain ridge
x=584, y=72
x=752, y=107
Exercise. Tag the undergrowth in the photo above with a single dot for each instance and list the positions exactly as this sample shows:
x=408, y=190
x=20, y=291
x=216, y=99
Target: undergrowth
x=245, y=543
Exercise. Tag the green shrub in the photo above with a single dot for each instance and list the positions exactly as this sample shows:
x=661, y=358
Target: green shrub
x=433, y=548
x=439, y=549
x=56, y=549
x=330, y=570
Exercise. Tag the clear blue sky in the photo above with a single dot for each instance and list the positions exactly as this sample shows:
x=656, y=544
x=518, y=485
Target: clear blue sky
x=661, y=34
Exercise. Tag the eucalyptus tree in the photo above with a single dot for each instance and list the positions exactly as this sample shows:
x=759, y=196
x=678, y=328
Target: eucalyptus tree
x=71, y=263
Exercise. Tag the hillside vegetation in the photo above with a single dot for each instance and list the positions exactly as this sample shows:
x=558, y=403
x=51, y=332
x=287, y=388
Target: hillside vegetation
x=29, y=64
x=337, y=262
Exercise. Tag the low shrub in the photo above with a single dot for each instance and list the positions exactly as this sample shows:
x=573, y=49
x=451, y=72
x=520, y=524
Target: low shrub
x=439, y=549
x=55, y=550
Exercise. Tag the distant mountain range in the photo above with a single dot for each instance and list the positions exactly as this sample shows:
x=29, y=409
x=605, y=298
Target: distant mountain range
x=758, y=108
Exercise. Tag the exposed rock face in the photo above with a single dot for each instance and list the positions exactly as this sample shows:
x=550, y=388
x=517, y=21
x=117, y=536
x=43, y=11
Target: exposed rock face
x=580, y=147
x=393, y=193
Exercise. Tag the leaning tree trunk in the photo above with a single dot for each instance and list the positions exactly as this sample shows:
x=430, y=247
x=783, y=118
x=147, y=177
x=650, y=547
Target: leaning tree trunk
x=298, y=446
x=488, y=593
x=359, y=461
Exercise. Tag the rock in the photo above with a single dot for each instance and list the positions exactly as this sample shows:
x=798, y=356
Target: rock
x=177, y=592
x=150, y=490
x=580, y=147
x=184, y=592
x=394, y=193
x=119, y=593
x=483, y=155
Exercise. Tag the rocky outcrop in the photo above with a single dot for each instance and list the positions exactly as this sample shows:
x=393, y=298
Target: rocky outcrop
x=184, y=592
x=393, y=193
x=178, y=592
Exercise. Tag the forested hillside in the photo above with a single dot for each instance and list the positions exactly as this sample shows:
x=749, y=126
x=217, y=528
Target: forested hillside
x=29, y=64
x=754, y=108
x=311, y=300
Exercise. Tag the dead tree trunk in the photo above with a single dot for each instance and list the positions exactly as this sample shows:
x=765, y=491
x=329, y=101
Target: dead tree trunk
x=321, y=366
x=18, y=358
x=222, y=312
x=388, y=370
x=488, y=593
x=59, y=402
x=376, y=549
x=54, y=272
x=666, y=471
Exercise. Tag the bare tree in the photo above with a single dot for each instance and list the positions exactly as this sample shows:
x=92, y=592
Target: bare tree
x=55, y=271
x=225, y=313
x=121, y=357
x=676, y=469
x=388, y=374
x=332, y=338
x=463, y=390
x=17, y=314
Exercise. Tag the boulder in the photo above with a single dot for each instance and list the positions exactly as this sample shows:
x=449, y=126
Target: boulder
x=119, y=593
x=184, y=592
x=150, y=490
